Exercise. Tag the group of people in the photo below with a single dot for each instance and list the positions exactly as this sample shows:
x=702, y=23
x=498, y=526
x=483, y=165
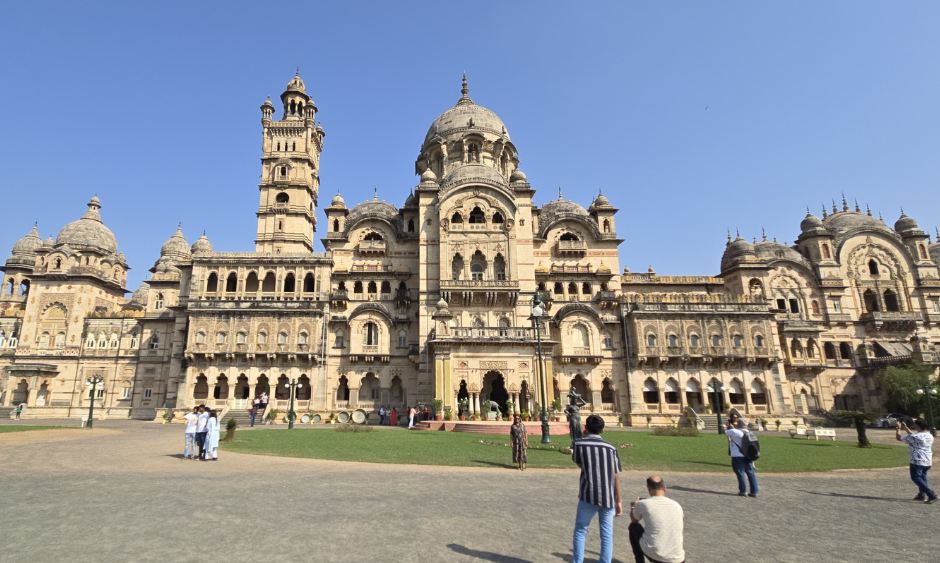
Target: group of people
x=388, y=416
x=415, y=414
x=202, y=434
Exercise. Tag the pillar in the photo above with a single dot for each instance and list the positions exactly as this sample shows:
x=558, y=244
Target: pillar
x=475, y=402
x=515, y=403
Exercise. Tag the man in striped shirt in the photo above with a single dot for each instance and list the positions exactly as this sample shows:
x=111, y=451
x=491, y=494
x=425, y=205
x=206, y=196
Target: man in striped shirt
x=599, y=492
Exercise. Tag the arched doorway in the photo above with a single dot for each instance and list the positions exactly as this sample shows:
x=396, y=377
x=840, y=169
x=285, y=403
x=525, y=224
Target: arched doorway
x=524, y=397
x=342, y=389
x=42, y=398
x=581, y=387
x=303, y=392
x=262, y=386
x=221, y=388
x=21, y=394
x=396, y=393
x=241, y=387
x=201, y=390
x=282, y=391
x=494, y=389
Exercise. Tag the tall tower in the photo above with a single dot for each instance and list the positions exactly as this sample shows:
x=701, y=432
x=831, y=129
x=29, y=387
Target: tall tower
x=289, y=173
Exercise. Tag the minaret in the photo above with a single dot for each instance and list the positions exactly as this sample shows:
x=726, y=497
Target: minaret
x=290, y=179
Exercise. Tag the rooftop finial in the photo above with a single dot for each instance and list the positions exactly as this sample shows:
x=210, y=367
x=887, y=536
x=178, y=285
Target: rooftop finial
x=298, y=72
x=857, y=208
x=729, y=235
x=375, y=193
x=902, y=212
x=824, y=211
x=463, y=88
x=737, y=232
x=936, y=230
x=845, y=204
x=868, y=209
x=834, y=208
x=880, y=217
x=559, y=193
x=764, y=233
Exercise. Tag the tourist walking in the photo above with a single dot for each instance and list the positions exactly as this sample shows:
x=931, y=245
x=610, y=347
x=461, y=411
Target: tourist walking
x=519, y=440
x=212, y=436
x=599, y=490
x=189, y=450
x=411, y=417
x=264, y=401
x=19, y=410
x=201, y=422
x=736, y=431
x=656, y=525
x=394, y=418
x=253, y=412
x=381, y=416
x=920, y=447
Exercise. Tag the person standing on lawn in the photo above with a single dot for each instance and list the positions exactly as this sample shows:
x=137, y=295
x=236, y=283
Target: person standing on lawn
x=519, y=440
x=920, y=447
x=411, y=417
x=739, y=463
x=381, y=416
x=599, y=491
x=393, y=417
x=189, y=450
x=659, y=537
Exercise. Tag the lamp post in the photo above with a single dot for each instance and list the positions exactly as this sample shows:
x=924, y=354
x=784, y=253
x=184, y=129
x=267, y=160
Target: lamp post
x=93, y=383
x=537, y=312
x=293, y=385
x=930, y=393
x=717, y=389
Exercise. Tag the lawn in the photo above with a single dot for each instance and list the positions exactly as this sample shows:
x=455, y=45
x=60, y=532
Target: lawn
x=14, y=428
x=708, y=452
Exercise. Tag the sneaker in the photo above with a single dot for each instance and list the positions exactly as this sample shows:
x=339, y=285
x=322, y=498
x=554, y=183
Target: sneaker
x=931, y=500
x=742, y=494
x=920, y=498
x=752, y=495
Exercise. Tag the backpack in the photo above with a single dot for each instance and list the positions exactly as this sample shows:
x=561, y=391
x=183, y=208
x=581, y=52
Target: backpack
x=750, y=447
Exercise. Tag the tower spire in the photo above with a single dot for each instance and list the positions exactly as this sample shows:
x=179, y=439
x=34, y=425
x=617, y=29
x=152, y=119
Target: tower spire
x=845, y=204
x=463, y=87
x=824, y=211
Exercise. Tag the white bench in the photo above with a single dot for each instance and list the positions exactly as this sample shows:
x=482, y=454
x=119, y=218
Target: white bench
x=794, y=432
x=824, y=432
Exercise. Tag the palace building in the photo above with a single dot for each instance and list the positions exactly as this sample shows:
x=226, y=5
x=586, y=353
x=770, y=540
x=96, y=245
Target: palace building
x=430, y=302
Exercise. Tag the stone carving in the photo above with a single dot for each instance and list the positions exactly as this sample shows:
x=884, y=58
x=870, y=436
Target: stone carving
x=493, y=365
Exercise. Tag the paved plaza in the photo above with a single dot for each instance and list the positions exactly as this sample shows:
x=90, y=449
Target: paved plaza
x=121, y=492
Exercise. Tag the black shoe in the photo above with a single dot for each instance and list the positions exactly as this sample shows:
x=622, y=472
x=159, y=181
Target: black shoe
x=920, y=498
x=931, y=500
x=742, y=494
x=752, y=495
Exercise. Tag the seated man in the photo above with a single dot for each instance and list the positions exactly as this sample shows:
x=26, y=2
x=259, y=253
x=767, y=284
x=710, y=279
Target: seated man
x=659, y=538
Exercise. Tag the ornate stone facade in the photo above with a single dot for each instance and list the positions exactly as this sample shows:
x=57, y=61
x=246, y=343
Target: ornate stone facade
x=431, y=301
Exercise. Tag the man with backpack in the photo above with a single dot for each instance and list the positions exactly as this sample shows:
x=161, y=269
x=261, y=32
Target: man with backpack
x=744, y=449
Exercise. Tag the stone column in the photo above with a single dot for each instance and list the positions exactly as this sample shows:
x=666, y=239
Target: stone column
x=475, y=403
x=515, y=403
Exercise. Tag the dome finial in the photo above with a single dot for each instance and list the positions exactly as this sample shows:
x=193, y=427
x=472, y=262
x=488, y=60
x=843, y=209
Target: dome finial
x=729, y=235
x=868, y=209
x=845, y=204
x=857, y=208
x=824, y=211
x=764, y=233
x=375, y=193
x=902, y=212
x=737, y=232
x=882, y=219
x=936, y=230
x=834, y=208
x=298, y=72
x=463, y=87
x=559, y=193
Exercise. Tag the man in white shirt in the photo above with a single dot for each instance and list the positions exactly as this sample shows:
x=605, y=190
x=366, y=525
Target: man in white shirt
x=381, y=416
x=920, y=446
x=189, y=452
x=740, y=464
x=201, y=431
x=659, y=537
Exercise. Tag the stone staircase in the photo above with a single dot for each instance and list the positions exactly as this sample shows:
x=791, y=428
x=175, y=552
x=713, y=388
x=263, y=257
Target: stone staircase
x=711, y=422
x=5, y=412
x=240, y=415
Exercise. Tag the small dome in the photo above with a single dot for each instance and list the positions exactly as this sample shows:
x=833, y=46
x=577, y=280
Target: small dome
x=738, y=250
x=296, y=84
x=48, y=243
x=411, y=200
x=601, y=201
x=268, y=103
x=810, y=222
x=141, y=294
x=442, y=305
x=517, y=176
x=202, y=245
x=121, y=257
x=161, y=267
x=905, y=223
x=88, y=232
x=28, y=244
x=176, y=247
x=95, y=200
x=604, y=269
x=338, y=201
x=428, y=176
x=541, y=269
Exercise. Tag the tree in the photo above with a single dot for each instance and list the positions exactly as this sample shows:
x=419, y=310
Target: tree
x=860, y=419
x=901, y=384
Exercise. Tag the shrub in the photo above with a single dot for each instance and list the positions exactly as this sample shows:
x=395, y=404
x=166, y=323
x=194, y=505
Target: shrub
x=272, y=414
x=231, y=425
x=686, y=431
x=354, y=428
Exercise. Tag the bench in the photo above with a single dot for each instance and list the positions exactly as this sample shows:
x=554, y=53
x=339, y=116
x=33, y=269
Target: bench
x=794, y=432
x=824, y=432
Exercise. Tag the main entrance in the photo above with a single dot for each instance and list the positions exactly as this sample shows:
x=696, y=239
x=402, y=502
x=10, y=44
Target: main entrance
x=494, y=389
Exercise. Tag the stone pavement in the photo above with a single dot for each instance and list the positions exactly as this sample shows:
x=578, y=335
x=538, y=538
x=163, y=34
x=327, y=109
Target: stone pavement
x=121, y=492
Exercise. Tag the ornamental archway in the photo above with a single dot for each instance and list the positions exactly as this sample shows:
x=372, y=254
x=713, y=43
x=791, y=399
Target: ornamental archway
x=494, y=389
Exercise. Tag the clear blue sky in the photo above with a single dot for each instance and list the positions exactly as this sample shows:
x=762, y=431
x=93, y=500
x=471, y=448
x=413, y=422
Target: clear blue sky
x=154, y=107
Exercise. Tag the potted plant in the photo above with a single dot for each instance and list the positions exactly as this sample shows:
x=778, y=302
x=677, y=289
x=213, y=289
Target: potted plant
x=536, y=413
x=763, y=423
x=556, y=407
x=509, y=411
x=448, y=413
x=438, y=406
x=475, y=416
x=272, y=416
x=778, y=423
x=332, y=418
x=708, y=408
x=463, y=406
x=620, y=421
x=649, y=420
x=795, y=423
x=525, y=416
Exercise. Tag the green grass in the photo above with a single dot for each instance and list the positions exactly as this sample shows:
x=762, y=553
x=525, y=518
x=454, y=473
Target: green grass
x=12, y=428
x=708, y=452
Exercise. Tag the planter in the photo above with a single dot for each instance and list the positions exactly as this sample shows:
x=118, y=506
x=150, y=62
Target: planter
x=462, y=417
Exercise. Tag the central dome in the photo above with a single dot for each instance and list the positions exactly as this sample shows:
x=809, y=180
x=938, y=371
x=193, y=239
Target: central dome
x=88, y=232
x=466, y=115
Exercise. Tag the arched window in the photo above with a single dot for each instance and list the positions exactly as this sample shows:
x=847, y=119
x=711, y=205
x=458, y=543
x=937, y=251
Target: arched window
x=923, y=253
x=154, y=342
x=651, y=340
x=796, y=348
x=497, y=217
x=693, y=340
x=302, y=339
x=251, y=283
x=339, y=342
x=671, y=392
x=499, y=267
x=737, y=340
x=579, y=337
x=503, y=325
x=102, y=340
x=758, y=396
x=794, y=305
x=231, y=283
x=402, y=339
x=112, y=343
x=559, y=289
x=736, y=393
x=825, y=251
x=568, y=236
x=411, y=225
x=282, y=198
x=220, y=338
x=58, y=263
x=269, y=285
x=472, y=155
x=573, y=289
x=58, y=341
x=335, y=225
x=279, y=148
x=759, y=341
x=373, y=236
x=815, y=307
x=212, y=284
x=372, y=287
x=477, y=323
x=606, y=225
x=891, y=301
x=262, y=338
x=716, y=340
x=586, y=289
x=158, y=303
x=370, y=334
x=476, y=271
x=650, y=392
x=309, y=285
x=608, y=341
x=24, y=288
x=240, y=338
x=456, y=218
x=873, y=267
x=386, y=287
x=477, y=217
x=607, y=392
x=457, y=267
x=829, y=350
x=673, y=340
x=201, y=390
x=90, y=341
x=845, y=350
x=357, y=287
x=10, y=285
x=871, y=301
x=200, y=338
x=282, y=338
x=289, y=283
x=134, y=340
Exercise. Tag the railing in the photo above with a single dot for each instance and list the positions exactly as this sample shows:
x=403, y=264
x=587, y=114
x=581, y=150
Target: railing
x=341, y=404
x=605, y=295
x=375, y=246
x=581, y=351
x=460, y=284
x=570, y=269
x=366, y=268
x=891, y=316
x=339, y=295
x=370, y=349
x=494, y=333
x=571, y=246
x=366, y=405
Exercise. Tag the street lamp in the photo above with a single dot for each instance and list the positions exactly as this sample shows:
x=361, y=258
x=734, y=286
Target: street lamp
x=930, y=392
x=537, y=312
x=93, y=383
x=717, y=389
x=293, y=385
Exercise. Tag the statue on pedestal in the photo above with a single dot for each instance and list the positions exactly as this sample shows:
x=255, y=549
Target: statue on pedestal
x=573, y=412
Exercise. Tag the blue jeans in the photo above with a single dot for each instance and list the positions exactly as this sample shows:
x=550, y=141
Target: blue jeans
x=741, y=468
x=190, y=449
x=919, y=476
x=605, y=516
x=201, y=441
